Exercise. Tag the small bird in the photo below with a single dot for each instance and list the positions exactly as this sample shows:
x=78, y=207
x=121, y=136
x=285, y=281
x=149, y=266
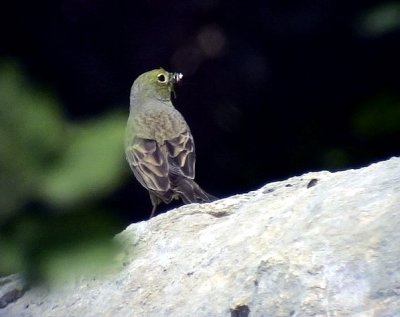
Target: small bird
x=159, y=146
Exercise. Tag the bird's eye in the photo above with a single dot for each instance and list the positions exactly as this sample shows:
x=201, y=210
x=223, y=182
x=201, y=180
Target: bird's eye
x=161, y=78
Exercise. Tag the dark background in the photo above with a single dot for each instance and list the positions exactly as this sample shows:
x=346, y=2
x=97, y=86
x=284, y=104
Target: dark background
x=271, y=89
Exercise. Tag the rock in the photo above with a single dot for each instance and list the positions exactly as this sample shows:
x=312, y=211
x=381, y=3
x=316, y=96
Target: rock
x=321, y=244
x=12, y=287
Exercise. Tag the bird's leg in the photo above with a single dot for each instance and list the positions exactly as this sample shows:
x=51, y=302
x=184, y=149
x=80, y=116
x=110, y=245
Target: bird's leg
x=153, y=211
x=154, y=201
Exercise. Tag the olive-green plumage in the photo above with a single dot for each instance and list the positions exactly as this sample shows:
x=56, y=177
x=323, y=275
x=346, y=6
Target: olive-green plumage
x=158, y=144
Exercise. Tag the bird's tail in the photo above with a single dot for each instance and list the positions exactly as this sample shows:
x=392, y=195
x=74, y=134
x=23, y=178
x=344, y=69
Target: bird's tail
x=190, y=192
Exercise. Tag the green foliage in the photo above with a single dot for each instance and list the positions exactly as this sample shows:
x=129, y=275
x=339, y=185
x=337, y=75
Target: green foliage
x=92, y=164
x=53, y=174
x=378, y=117
x=380, y=19
x=335, y=158
x=31, y=128
x=52, y=247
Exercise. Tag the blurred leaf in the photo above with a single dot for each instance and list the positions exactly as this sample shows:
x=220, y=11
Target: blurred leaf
x=63, y=264
x=378, y=117
x=43, y=156
x=31, y=129
x=45, y=245
x=380, y=19
x=11, y=257
x=335, y=158
x=93, y=163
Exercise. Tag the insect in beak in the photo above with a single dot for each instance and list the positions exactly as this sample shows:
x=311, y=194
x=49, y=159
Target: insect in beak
x=175, y=78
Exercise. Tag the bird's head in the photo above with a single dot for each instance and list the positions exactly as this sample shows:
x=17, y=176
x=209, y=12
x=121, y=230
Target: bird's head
x=157, y=83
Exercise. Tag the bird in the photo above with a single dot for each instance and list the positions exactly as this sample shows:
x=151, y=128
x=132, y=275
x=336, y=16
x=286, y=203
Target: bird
x=159, y=145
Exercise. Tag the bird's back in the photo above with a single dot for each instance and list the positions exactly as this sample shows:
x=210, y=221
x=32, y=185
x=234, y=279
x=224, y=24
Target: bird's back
x=156, y=120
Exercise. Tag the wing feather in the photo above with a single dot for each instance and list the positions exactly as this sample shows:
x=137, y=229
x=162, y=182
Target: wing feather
x=159, y=167
x=148, y=164
x=181, y=155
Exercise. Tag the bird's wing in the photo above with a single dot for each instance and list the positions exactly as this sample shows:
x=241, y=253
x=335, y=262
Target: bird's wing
x=149, y=164
x=181, y=154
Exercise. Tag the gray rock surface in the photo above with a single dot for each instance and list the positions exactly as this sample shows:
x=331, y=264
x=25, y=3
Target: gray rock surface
x=321, y=244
